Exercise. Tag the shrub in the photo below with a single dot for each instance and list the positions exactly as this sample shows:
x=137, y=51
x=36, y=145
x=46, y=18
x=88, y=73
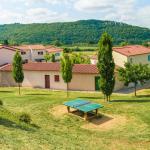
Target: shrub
x=25, y=118
x=1, y=102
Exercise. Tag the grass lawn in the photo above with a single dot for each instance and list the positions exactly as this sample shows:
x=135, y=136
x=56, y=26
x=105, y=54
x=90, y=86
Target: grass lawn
x=50, y=132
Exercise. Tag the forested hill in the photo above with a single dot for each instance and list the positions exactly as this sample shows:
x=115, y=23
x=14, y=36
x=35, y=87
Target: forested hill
x=84, y=31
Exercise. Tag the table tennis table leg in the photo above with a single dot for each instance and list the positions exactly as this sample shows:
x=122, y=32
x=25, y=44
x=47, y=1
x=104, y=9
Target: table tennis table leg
x=68, y=108
x=85, y=116
x=96, y=112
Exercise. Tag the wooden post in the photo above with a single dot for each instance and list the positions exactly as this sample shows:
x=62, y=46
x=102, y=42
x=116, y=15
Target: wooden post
x=96, y=112
x=68, y=108
x=85, y=116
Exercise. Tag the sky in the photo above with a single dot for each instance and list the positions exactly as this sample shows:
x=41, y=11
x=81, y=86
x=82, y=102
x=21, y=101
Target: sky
x=134, y=12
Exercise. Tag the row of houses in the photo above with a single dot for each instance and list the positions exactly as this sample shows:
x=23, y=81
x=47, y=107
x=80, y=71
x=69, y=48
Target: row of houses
x=29, y=53
x=85, y=76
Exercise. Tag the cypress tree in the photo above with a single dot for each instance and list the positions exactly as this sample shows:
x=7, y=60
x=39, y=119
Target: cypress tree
x=106, y=66
x=17, y=71
x=66, y=69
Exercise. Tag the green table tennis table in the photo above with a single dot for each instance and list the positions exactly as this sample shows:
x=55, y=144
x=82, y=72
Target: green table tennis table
x=83, y=105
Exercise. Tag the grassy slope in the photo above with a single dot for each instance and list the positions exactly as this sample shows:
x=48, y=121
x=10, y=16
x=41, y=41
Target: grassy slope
x=66, y=132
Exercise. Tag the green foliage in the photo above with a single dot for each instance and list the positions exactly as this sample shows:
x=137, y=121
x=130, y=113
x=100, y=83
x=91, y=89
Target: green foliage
x=66, y=50
x=24, y=117
x=134, y=73
x=146, y=44
x=1, y=102
x=84, y=31
x=6, y=42
x=17, y=71
x=57, y=43
x=53, y=58
x=78, y=58
x=124, y=44
x=47, y=57
x=106, y=65
x=66, y=69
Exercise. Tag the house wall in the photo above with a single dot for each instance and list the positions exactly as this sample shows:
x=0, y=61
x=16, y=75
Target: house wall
x=35, y=55
x=83, y=82
x=6, y=79
x=119, y=59
x=36, y=79
x=143, y=59
x=26, y=56
x=6, y=56
x=94, y=61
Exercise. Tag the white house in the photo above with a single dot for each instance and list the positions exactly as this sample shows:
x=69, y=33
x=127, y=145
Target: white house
x=132, y=53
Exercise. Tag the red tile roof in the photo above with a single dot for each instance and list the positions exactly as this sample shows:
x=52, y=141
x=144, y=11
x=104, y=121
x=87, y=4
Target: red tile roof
x=49, y=48
x=38, y=66
x=28, y=47
x=132, y=50
x=53, y=49
x=9, y=48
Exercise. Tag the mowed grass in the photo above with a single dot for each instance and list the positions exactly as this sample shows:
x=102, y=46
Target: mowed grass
x=66, y=133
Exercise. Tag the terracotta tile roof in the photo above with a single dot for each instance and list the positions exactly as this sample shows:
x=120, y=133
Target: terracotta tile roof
x=29, y=47
x=9, y=48
x=38, y=66
x=53, y=49
x=49, y=48
x=132, y=50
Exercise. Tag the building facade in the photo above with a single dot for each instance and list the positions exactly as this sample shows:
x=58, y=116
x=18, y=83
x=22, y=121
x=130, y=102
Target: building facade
x=134, y=53
x=47, y=75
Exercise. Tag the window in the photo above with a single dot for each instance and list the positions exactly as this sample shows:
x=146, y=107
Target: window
x=56, y=78
x=131, y=60
x=25, y=61
x=23, y=53
x=148, y=57
x=40, y=53
x=57, y=54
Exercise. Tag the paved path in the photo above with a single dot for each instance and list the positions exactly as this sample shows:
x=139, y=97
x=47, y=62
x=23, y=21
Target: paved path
x=131, y=90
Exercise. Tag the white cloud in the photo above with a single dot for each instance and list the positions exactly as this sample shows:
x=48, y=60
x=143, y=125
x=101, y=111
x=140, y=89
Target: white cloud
x=30, y=11
x=36, y=15
x=117, y=10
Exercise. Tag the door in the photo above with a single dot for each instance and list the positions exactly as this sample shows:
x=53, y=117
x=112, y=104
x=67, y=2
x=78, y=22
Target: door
x=47, y=81
x=97, y=84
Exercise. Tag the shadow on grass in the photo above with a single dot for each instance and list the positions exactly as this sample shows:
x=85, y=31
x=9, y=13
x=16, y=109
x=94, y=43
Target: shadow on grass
x=10, y=124
x=140, y=96
x=101, y=119
x=92, y=97
x=92, y=118
x=131, y=101
x=37, y=94
x=6, y=91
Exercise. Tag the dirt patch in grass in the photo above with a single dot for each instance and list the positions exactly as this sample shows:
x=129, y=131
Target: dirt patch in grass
x=101, y=122
x=105, y=122
x=59, y=111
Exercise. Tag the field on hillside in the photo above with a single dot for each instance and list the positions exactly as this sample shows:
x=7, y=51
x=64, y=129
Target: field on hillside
x=125, y=122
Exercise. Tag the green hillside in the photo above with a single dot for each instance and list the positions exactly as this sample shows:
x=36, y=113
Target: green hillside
x=84, y=31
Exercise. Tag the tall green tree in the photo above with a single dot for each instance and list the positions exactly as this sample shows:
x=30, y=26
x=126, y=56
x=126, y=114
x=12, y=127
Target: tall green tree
x=47, y=57
x=17, y=71
x=66, y=69
x=134, y=73
x=53, y=58
x=6, y=42
x=106, y=66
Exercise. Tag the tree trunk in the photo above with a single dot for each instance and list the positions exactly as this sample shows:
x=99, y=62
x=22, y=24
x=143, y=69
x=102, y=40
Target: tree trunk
x=67, y=90
x=104, y=97
x=19, y=87
x=135, y=89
